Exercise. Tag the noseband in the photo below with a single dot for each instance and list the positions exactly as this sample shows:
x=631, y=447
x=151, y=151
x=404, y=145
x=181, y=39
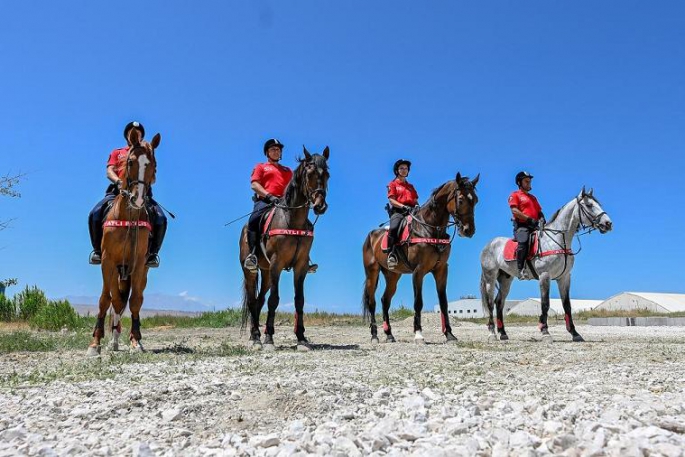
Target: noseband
x=582, y=211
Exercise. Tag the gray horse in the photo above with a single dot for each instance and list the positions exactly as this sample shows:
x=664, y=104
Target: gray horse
x=553, y=261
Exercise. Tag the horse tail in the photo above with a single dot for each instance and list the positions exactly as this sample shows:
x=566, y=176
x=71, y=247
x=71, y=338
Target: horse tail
x=247, y=293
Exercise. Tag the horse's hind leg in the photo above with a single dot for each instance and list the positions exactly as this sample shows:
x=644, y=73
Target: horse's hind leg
x=300, y=273
x=504, y=281
x=488, y=281
x=369, y=297
x=564, y=284
x=544, y=305
x=440, y=275
x=390, y=288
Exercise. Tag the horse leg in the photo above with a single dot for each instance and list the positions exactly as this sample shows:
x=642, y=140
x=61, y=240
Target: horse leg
x=417, y=281
x=369, y=297
x=544, y=305
x=300, y=273
x=390, y=288
x=138, y=283
x=504, y=281
x=275, y=275
x=440, y=275
x=487, y=294
x=94, y=348
x=564, y=284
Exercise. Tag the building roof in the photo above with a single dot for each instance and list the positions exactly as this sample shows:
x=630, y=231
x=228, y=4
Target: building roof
x=671, y=302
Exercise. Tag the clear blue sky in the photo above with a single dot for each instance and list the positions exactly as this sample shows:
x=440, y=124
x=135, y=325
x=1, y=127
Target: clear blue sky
x=576, y=92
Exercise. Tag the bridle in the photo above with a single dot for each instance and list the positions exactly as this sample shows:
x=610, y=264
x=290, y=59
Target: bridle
x=456, y=222
x=126, y=191
x=583, y=211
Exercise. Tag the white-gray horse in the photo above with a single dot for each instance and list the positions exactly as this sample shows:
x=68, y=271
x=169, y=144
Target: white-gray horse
x=553, y=261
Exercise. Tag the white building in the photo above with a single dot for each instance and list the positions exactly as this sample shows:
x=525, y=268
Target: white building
x=470, y=308
x=655, y=302
x=532, y=307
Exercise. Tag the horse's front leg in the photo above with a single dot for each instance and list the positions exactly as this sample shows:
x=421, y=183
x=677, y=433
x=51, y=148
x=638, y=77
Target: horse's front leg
x=274, y=278
x=544, y=305
x=105, y=302
x=300, y=273
x=505, y=282
x=391, y=280
x=487, y=294
x=564, y=284
x=138, y=284
x=440, y=275
x=417, y=281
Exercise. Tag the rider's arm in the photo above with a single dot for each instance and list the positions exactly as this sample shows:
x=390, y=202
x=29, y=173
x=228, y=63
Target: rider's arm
x=518, y=214
x=395, y=203
x=259, y=189
x=112, y=174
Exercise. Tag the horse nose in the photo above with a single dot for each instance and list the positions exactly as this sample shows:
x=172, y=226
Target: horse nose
x=609, y=225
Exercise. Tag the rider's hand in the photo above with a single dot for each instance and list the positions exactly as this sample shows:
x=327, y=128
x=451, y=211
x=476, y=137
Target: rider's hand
x=530, y=221
x=271, y=199
x=406, y=209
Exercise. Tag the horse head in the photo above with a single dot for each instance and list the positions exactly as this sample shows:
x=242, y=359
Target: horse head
x=591, y=212
x=141, y=168
x=462, y=204
x=315, y=179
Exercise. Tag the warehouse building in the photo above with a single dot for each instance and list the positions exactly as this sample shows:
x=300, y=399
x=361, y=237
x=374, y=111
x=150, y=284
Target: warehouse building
x=654, y=302
x=532, y=307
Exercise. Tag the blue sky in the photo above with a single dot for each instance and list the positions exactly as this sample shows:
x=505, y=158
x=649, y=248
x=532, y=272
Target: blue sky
x=578, y=93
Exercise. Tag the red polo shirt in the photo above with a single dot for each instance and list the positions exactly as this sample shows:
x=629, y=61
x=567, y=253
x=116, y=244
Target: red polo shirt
x=273, y=177
x=403, y=192
x=526, y=203
x=117, y=159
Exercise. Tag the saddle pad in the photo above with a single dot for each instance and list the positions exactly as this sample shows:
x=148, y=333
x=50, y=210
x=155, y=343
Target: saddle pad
x=510, y=249
x=267, y=220
x=404, y=233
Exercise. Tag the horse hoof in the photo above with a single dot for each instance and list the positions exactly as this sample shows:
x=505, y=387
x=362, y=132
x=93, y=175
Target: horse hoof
x=113, y=346
x=136, y=348
x=504, y=337
x=451, y=341
x=492, y=337
x=374, y=340
x=269, y=347
x=547, y=339
x=93, y=351
x=420, y=341
x=390, y=339
x=578, y=339
x=255, y=345
x=304, y=346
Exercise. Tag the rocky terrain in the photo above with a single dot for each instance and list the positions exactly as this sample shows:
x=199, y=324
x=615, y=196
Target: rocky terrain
x=200, y=392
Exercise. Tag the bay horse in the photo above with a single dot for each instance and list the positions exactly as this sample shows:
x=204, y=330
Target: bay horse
x=285, y=244
x=124, y=245
x=553, y=260
x=427, y=251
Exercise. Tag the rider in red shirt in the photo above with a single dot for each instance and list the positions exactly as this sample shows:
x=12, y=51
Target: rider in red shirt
x=403, y=198
x=527, y=215
x=116, y=166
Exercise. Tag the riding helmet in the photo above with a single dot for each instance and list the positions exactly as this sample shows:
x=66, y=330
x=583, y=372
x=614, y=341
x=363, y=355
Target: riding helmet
x=395, y=168
x=272, y=142
x=131, y=125
x=522, y=174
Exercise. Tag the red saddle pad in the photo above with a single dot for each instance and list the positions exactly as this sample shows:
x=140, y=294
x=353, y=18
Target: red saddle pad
x=510, y=249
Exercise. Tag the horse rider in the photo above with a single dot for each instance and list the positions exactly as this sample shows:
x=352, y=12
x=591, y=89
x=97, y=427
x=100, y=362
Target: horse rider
x=527, y=216
x=116, y=168
x=269, y=181
x=403, y=198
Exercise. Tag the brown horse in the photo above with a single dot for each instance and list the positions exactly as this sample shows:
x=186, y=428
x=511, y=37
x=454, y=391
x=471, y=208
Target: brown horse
x=124, y=245
x=426, y=251
x=285, y=245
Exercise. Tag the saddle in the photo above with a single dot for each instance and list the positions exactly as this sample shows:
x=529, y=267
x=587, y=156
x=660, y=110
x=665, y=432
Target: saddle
x=402, y=231
x=266, y=230
x=511, y=245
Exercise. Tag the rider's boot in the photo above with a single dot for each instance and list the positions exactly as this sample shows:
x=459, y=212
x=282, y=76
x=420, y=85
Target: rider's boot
x=251, y=264
x=95, y=258
x=521, y=251
x=392, y=259
x=312, y=267
x=158, y=232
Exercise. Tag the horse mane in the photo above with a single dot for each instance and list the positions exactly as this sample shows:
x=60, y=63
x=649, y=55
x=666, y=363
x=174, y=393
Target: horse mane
x=465, y=181
x=556, y=213
x=295, y=183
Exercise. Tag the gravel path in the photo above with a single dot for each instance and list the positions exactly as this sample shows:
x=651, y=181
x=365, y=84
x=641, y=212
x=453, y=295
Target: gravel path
x=622, y=393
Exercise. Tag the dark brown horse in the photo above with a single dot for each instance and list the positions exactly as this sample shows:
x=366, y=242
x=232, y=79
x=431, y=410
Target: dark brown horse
x=286, y=245
x=426, y=252
x=124, y=245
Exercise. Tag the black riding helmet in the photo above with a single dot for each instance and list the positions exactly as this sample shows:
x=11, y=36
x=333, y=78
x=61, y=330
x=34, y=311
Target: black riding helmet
x=132, y=125
x=396, y=167
x=272, y=142
x=522, y=174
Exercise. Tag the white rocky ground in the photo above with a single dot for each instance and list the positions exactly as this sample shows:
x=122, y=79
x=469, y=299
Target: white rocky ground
x=622, y=393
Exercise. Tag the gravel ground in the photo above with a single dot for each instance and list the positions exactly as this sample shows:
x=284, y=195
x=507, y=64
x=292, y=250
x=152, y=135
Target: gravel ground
x=622, y=393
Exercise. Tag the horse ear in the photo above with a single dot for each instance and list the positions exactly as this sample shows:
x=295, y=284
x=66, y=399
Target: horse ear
x=155, y=141
x=326, y=152
x=134, y=136
x=582, y=192
x=475, y=180
x=458, y=178
x=590, y=193
x=307, y=155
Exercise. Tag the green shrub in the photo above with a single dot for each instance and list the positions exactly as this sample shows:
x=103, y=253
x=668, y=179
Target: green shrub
x=8, y=311
x=55, y=315
x=29, y=301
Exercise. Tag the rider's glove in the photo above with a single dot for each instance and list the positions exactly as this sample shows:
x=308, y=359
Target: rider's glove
x=406, y=209
x=532, y=222
x=271, y=199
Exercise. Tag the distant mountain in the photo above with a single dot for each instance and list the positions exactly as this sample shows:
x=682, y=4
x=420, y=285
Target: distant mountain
x=181, y=302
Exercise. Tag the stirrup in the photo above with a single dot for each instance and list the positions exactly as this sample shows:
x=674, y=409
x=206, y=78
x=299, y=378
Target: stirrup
x=523, y=275
x=152, y=261
x=312, y=268
x=95, y=258
x=392, y=261
x=250, y=263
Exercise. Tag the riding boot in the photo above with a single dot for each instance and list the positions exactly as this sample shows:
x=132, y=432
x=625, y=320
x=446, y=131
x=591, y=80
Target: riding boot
x=95, y=230
x=521, y=254
x=251, y=263
x=158, y=232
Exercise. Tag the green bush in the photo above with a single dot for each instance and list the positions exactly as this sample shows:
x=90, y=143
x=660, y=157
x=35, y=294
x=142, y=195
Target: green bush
x=55, y=315
x=29, y=301
x=8, y=311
